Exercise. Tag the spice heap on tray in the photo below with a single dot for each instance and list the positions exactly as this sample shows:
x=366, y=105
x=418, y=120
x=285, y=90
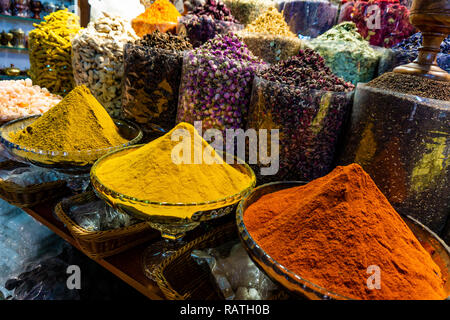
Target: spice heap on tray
x=160, y=15
x=245, y=11
x=98, y=59
x=77, y=123
x=20, y=98
x=347, y=54
x=347, y=225
x=302, y=98
x=150, y=173
x=51, y=52
x=152, y=74
x=217, y=82
x=269, y=37
x=393, y=19
x=408, y=50
x=207, y=21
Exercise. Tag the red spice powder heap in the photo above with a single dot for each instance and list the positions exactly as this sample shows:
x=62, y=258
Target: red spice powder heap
x=332, y=229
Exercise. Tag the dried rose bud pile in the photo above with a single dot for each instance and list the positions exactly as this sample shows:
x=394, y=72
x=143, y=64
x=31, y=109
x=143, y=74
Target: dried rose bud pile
x=216, y=83
x=307, y=70
x=215, y=9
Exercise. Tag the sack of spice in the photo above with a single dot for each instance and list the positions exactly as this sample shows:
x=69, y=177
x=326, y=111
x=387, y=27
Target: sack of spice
x=245, y=11
x=269, y=38
x=383, y=23
x=347, y=54
x=408, y=50
x=309, y=17
x=126, y=10
x=51, y=52
x=97, y=59
x=216, y=83
x=152, y=75
x=302, y=98
x=161, y=15
x=207, y=21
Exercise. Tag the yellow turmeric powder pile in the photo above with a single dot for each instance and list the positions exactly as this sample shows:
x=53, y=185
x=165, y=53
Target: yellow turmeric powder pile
x=78, y=122
x=161, y=15
x=272, y=22
x=153, y=172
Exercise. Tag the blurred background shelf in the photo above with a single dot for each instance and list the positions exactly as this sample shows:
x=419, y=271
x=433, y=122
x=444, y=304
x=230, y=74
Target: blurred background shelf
x=5, y=77
x=14, y=48
x=20, y=18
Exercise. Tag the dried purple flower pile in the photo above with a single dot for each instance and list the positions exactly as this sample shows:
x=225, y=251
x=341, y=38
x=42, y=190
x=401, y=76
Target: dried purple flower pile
x=216, y=83
x=207, y=21
x=308, y=104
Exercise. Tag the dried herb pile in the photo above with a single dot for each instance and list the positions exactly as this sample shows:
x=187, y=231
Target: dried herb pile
x=216, y=83
x=272, y=22
x=215, y=9
x=152, y=73
x=308, y=104
x=307, y=70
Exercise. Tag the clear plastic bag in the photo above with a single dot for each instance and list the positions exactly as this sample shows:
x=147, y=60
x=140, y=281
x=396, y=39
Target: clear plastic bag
x=310, y=124
x=309, y=18
x=98, y=216
x=219, y=99
x=271, y=48
x=151, y=86
x=30, y=175
x=402, y=142
x=382, y=23
x=97, y=59
x=200, y=29
x=235, y=274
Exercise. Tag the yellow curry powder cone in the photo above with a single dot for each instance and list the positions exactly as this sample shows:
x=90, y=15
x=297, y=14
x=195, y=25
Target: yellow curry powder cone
x=150, y=172
x=77, y=123
x=161, y=15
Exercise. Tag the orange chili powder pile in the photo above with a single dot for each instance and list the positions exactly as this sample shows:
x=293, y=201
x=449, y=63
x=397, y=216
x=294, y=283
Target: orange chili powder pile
x=332, y=229
x=160, y=12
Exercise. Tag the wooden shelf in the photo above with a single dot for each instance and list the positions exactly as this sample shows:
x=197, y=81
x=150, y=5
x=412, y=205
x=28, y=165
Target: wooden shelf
x=125, y=265
x=14, y=48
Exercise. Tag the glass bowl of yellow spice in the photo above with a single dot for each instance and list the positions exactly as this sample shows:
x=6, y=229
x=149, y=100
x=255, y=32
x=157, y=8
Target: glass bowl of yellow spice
x=70, y=137
x=150, y=183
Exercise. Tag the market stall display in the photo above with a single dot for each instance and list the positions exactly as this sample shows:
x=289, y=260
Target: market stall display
x=347, y=54
x=342, y=210
x=408, y=50
x=160, y=15
x=207, y=21
x=383, y=23
x=152, y=75
x=51, y=52
x=216, y=83
x=302, y=98
x=20, y=98
x=309, y=18
x=269, y=38
x=245, y=11
x=185, y=194
x=97, y=59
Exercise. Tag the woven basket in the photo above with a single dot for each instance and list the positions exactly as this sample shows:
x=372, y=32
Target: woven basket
x=180, y=278
x=32, y=195
x=101, y=244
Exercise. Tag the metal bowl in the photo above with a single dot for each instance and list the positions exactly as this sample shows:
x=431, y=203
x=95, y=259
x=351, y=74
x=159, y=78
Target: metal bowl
x=295, y=284
x=70, y=162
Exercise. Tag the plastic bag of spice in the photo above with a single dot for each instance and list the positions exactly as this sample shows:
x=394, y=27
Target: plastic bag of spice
x=271, y=48
x=151, y=86
x=200, y=29
x=310, y=124
x=309, y=18
x=245, y=11
x=383, y=23
x=97, y=59
x=215, y=90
